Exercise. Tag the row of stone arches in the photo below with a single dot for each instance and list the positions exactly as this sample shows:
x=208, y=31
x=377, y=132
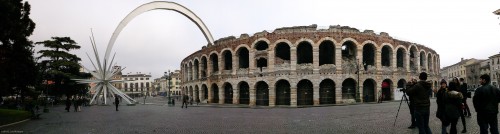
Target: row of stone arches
x=303, y=93
x=261, y=55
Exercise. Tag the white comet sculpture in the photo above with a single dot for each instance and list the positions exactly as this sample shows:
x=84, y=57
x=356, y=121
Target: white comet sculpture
x=105, y=73
x=104, y=78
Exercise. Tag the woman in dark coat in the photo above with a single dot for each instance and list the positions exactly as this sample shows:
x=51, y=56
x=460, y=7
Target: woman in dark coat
x=462, y=115
x=440, y=114
x=453, y=101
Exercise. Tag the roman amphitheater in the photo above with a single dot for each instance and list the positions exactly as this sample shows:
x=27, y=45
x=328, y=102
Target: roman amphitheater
x=305, y=66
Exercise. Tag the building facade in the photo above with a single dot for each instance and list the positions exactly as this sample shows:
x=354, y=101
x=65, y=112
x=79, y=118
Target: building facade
x=175, y=84
x=458, y=69
x=305, y=65
x=137, y=85
x=495, y=69
x=473, y=71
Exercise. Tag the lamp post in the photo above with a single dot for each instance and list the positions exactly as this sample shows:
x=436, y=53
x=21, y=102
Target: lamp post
x=168, y=77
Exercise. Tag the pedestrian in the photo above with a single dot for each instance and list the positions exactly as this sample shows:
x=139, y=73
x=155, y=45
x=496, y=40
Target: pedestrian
x=440, y=113
x=75, y=103
x=420, y=94
x=185, y=99
x=463, y=89
x=197, y=101
x=68, y=103
x=79, y=103
x=485, y=102
x=117, y=101
x=413, y=118
x=453, y=104
x=461, y=107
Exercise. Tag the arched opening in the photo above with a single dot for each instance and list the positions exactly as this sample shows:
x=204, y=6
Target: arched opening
x=282, y=53
x=349, y=89
x=261, y=62
x=204, y=66
x=196, y=94
x=190, y=94
x=205, y=92
x=304, y=53
x=196, y=69
x=243, y=57
x=349, y=51
x=282, y=92
x=228, y=60
x=368, y=55
x=327, y=92
x=369, y=90
x=326, y=53
x=228, y=93
x=305, y=93
x=413, y=58
x=401, y=56
x=422, y=61
x=261, y=45
x=429, y=63
x=244, y=93
x=386, y=89
x=190, y=71
x=215, y=63
x=262, y=95
x=386, y=56
x=215, y=93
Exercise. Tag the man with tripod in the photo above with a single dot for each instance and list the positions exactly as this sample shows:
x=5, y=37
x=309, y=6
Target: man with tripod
x=419, y=93
x=411, y=104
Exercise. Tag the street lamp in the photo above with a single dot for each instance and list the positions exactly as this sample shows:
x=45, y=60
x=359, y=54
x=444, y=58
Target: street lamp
x=168, y=77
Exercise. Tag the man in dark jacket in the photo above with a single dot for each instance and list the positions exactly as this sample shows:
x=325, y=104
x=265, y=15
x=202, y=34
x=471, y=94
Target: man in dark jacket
x=420, y=94
x=485, y=102
x=463, y=89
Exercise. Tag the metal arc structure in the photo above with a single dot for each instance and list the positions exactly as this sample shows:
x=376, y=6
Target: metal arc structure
x=162, y=5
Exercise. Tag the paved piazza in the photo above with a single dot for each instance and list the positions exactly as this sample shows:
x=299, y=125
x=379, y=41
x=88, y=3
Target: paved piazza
x=155, y=117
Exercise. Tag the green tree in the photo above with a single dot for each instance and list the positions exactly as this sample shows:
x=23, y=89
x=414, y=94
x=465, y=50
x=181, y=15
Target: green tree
x=17, y=65
x=61, y=66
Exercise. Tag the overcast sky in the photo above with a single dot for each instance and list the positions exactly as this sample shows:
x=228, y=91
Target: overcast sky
x=158, y=40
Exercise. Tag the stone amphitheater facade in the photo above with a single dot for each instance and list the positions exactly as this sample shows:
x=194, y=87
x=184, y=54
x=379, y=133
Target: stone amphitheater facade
x=305, y=66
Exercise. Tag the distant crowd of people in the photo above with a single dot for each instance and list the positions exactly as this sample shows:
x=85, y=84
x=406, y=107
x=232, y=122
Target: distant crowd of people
x=77, y=102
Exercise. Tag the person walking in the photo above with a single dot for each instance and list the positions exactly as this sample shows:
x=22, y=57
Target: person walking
x=463, y=89
x=75, y=103
x=453, y=104
x=485, y=102
x=117, y=101
x=462, y=116
x=420, y=94
x=79, y=102
x=185, y=100
x=68, y=104
x=440, y=113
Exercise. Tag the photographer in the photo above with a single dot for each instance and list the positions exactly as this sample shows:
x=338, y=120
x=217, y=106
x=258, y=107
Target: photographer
x=419, y=94
x=411, y=104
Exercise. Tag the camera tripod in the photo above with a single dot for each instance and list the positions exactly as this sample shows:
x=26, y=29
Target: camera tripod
x=406, y=100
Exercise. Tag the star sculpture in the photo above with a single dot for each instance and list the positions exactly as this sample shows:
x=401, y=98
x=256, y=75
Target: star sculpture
x=104, y=77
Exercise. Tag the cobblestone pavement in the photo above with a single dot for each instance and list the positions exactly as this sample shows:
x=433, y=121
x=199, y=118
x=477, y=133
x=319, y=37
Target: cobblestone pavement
x=155, y=117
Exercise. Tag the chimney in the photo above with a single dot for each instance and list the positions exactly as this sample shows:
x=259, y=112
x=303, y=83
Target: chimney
x=462, y=59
